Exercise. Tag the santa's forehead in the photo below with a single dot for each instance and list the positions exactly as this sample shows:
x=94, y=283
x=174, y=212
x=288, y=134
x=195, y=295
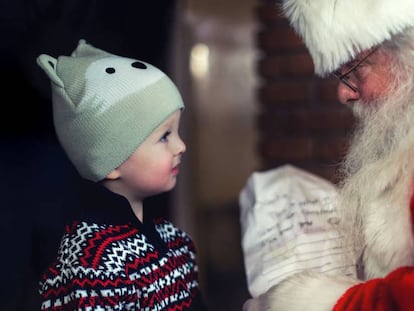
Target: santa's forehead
x=128, y=70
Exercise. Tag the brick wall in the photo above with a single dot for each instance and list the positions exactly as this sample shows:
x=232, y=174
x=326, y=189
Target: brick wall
x=300, y=120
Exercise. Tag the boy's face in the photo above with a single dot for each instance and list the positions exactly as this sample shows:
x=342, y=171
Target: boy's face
x=153, y=167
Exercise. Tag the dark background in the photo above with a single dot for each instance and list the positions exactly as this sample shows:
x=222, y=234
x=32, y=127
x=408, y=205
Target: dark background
x=37, y=177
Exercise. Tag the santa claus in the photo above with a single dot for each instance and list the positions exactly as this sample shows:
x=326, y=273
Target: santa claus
x=369, y=46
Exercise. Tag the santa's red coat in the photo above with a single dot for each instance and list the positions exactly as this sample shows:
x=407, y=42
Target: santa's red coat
x=391, y=293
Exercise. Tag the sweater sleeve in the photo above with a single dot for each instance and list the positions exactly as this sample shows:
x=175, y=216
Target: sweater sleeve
x=87, y=290
x=394, y=292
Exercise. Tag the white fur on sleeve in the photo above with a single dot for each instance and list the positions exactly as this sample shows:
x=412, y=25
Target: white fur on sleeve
x=305, y=291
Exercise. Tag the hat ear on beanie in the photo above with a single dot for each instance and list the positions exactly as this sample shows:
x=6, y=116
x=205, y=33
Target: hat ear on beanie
x=335, y=31
x=84, y=49
x=48, y=64
x=105, y=106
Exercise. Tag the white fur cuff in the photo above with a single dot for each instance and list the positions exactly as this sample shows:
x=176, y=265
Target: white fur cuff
x=306, y=291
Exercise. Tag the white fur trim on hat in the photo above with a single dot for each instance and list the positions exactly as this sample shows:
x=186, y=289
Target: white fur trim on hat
x=335, y=31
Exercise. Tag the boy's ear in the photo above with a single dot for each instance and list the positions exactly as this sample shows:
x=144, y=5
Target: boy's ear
x=115, y=174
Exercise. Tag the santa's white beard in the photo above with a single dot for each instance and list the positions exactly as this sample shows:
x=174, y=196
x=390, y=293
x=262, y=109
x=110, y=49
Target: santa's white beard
x=382, y=125
x=377, y=177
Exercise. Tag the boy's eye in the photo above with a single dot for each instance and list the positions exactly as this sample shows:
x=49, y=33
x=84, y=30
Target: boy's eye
x=165, y=136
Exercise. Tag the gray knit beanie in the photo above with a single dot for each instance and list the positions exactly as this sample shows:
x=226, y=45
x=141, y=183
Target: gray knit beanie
x=105, y=106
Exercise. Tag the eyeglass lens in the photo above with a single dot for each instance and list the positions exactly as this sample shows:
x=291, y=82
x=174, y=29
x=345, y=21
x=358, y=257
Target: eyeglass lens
x=346, y=77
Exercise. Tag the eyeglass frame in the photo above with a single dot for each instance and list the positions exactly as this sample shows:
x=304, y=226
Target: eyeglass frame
x=344, y=77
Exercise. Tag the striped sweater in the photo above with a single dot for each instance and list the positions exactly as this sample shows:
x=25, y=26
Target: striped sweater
x=108, y=260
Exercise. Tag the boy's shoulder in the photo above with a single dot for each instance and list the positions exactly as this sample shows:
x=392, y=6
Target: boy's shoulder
x=170, y=232
x=88, y=244
x=84, y=241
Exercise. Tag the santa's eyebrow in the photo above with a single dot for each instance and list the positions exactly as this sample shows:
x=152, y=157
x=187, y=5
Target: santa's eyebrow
x=361, y=59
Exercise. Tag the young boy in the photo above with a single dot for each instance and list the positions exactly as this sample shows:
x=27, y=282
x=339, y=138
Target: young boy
x=117, y=120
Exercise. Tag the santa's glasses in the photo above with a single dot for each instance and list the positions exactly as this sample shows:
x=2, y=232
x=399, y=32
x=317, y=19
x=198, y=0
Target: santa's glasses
x=347, y=73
